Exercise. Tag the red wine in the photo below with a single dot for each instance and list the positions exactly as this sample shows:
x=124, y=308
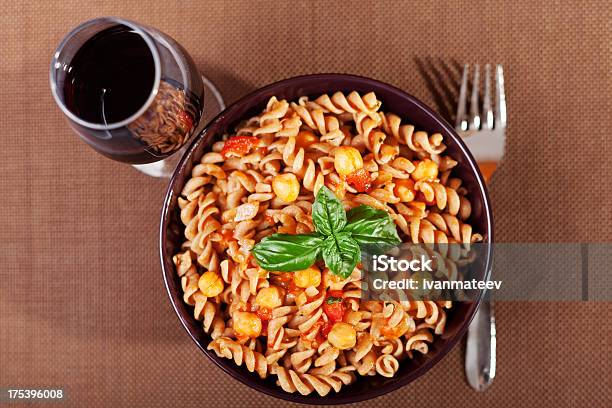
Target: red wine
x=110, y=77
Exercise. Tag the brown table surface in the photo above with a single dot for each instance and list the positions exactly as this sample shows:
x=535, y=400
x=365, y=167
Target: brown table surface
x=82, y=302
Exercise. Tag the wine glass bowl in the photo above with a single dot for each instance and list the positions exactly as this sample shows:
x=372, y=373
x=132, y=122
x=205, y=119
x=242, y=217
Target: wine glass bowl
x=130, y=91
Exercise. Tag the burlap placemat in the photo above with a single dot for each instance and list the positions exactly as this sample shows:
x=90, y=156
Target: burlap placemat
x=82, y=303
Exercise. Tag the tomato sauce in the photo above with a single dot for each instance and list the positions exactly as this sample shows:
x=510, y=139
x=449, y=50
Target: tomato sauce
x=227, y=235
x=239, y=145
x=186, y=121
x=421, y=197
x=265, y=315
x=324, y=327
x=360, y=180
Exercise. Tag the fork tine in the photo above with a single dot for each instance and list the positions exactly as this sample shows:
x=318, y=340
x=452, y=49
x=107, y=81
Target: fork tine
x=500, y=98
x=474, y=122
x=487, y=111
x=461, y=123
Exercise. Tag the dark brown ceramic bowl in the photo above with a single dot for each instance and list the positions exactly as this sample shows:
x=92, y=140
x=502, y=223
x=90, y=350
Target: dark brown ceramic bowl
x=394, y=100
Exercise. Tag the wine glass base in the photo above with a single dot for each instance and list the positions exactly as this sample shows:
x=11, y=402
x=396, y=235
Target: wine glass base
x=213, y=104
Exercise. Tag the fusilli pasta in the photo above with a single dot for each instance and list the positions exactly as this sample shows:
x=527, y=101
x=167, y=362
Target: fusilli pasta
x=264, y=180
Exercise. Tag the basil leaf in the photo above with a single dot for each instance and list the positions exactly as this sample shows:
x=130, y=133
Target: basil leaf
x=287, y=252
x=341, y=254
x=332, y=299
x=372, y=227
x=328, y=213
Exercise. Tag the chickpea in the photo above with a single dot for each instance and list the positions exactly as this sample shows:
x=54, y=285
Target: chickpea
x=347, y=160
x=342, y=336
x=307, y=277
x=286, y=187
x=404, y=189
x=210, y=284
x=425, y=170
x=247, y=324
x=269, y=297
x=306, y=138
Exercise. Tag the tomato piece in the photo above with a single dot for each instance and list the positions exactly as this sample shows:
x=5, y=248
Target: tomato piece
x=335, y=293
x=239, y=146
x=285, y=276
x=294, y=290
x=264, y=313
x=334, y=311
x=264, y=327
x=186, y=121
x=333, y=306
x=324, y=328
x=360, y=180
x=285, y=281
x=227, y=235
x=282, y=279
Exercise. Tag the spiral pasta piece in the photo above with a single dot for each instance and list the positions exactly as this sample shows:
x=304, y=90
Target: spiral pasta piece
x=443, y=197
x=307, y=316
x=451, y=225
x=327, y=354
x=394, y=347
x=228, y=348
x=416, y=141
x=292, y=381
x=277, y=332
x=353, y=103
x=418, y=341
x=327, y=126
x=304, y=168
x=301, y=361
x=387, y=365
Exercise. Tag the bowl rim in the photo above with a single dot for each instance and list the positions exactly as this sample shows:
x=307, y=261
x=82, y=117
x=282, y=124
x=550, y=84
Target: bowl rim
x=440, y=124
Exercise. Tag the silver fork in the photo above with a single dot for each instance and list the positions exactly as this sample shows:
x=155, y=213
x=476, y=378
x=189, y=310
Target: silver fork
x=485, y=135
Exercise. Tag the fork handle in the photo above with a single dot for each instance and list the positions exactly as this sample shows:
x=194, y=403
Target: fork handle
x=480, y=357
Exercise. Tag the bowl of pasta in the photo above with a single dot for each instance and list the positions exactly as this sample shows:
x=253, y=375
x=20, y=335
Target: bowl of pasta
x=260, y=236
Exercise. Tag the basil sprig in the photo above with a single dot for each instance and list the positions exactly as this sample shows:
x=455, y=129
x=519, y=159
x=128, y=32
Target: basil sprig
x=338, y=238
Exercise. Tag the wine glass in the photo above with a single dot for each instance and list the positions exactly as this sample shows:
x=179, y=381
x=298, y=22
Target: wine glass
x=131, y=92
